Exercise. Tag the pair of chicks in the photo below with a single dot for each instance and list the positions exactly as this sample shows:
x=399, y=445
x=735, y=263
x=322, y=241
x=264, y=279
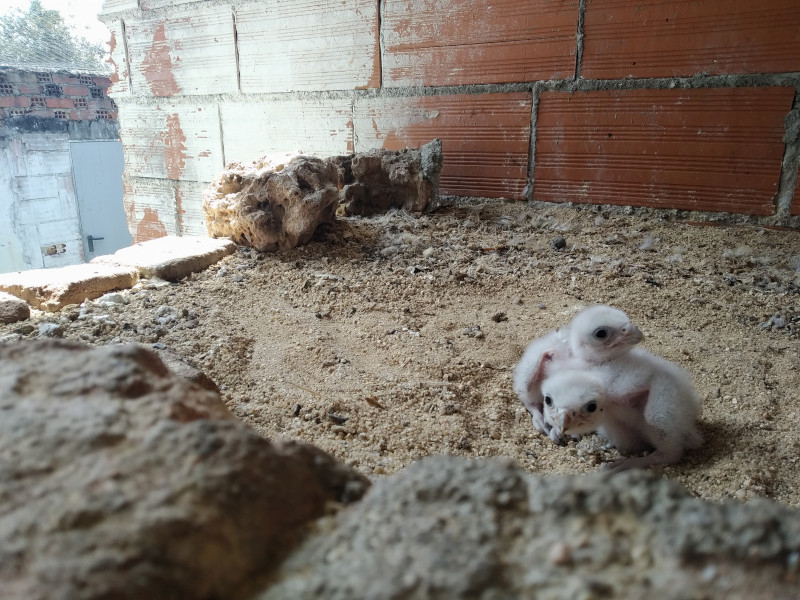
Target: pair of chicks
x=591, y=377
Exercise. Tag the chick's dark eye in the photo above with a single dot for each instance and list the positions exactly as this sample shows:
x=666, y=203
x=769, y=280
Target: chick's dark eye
x=601, y=333
x=548, y=400
x=591, y=407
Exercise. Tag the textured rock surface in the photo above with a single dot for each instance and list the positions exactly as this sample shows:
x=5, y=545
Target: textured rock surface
x=452, y=528
x=271, y=205
x=119, y=479
x=268, y=209
x=51, y=289
x=170, y=257
x=378, y=180
x=13, y=309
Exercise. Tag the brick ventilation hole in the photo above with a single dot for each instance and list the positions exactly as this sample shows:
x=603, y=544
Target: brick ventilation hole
x=113, y=105
x=18, y=112
x=3, y=78
x=38, y=102
x=61, y=114
x=96, y=92
x=44, y=77
x=102, y=114
x=52, y=90
x=80, y=103
x=6, y=89
x=86, y=80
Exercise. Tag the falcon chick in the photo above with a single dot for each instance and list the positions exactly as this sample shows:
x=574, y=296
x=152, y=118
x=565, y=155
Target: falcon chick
x=637, y=402
x=595, y=336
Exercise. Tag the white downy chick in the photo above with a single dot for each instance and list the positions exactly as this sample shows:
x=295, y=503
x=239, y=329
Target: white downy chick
x=594, y=336
x=637, y=402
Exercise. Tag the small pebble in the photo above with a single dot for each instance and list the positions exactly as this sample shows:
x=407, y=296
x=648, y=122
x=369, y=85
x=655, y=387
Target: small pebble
x=559, y=554
x=338, y=419
x=558, y=243
x=53, y=330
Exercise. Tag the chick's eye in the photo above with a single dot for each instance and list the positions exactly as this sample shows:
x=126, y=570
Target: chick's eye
x=548, y=400
x=591, y=407
x=600, y=333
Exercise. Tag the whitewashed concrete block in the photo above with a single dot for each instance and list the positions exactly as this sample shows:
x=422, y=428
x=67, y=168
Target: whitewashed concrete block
x=308, y=45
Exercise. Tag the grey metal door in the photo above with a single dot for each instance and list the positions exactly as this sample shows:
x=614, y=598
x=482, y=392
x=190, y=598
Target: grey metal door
x=97, y=173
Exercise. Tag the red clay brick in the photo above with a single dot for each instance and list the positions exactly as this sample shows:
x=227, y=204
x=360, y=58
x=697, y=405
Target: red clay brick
x=669, y=38
x=189, y=53
x=75, y=90
x=30, y=90
x=474, y=41
x=255, y=128
x=59, y=102
x=150, y=208
x=15, y=101
x=700, y=149
x=172, y=142
x=485, y=137
x=61, y=78
x=118, y=59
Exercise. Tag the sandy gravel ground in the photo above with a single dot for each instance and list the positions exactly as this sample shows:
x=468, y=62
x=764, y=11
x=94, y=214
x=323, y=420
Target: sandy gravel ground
x=393, y=338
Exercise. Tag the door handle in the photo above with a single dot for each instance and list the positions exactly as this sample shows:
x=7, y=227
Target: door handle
x=91, y=239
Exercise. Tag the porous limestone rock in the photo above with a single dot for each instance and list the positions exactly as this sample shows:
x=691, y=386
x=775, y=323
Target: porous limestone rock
x=378, y=180
x=271, y=208
x=272, y=205
x=13, y=309
x=119, y=479
x=453, y=528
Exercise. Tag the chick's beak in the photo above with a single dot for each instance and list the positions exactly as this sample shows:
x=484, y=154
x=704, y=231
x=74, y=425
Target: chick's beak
x=564, y=420
x=631, y=335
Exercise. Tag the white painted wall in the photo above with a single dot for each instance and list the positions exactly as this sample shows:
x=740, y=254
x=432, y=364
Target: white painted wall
x=38, y=207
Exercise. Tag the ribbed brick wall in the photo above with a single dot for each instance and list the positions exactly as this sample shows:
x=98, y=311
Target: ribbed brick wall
x=662, y=103
x=66, y=96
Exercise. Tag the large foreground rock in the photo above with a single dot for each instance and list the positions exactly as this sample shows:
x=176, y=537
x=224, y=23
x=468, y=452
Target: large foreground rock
x=272, y=205
x=52, y=289
x=119, y=479
x=451, y=528
x=170, y=257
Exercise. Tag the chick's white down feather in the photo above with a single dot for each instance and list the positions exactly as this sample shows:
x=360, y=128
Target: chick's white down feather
x=594, y=336
x=637, y=401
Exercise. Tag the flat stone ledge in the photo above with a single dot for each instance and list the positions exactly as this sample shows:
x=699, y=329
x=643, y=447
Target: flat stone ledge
x=170, y=257
x=52, y=289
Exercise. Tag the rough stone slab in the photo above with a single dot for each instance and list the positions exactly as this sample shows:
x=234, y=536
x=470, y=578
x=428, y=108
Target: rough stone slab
x=170, y=257
x=51, y=289
x=120, y=479
x=13, y=309
x=450, y=528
